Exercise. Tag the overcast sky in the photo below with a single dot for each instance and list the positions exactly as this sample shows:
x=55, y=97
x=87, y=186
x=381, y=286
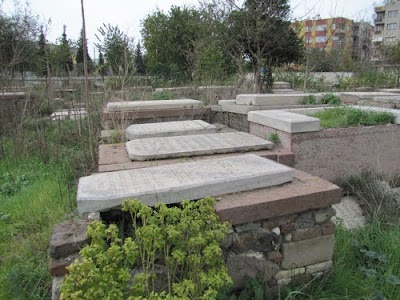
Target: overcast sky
x=127, y=14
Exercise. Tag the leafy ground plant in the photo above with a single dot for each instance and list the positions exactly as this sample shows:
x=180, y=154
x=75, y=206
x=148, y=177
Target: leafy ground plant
x=274, y=138
x=346, y=116
x=174, y=253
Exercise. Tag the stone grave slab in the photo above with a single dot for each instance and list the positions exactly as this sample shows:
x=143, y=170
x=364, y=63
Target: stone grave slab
x=273, y=99
x=285, y=121
x=173, y=183
x=175, y=128
x=152, y=104
x=193, y=145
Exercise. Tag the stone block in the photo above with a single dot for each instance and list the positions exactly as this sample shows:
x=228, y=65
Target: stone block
x=173, y=183
x=285, y=121
x=307, y=252
x=320, y=267
x=323, y=215
x=152, y=105
x=257, y=240
x=306, y=233
x=275, y=256
x=328, y=228
x=290, y=273
x=56, y=287
x=278, y=221
x=194, y=145
x=244, y=266
x=58, y=267
x=262, y=204
x=68, y=238
x=287, y=228
x=304, y=220
x=165, y=129
x=273, y=99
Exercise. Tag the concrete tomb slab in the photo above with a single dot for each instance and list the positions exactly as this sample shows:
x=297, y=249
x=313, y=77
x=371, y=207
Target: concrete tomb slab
x=192, y=145
x=285, y=121
x=152, y=104
x=174, y=183
x=174, y=128
x=273, y=99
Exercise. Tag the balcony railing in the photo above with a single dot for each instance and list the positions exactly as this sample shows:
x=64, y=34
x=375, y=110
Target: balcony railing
x=379, y=8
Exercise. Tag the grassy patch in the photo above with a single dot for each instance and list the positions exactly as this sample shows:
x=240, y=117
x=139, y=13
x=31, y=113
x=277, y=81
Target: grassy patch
x=356, y=275
x=27, y=217
x=345, y=117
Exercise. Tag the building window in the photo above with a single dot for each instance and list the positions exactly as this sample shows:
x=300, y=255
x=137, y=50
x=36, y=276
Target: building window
x=378, y=28
x=320, y=39
x=321, y=28
x=390, y=39
x=341, y=26
x=393, y=13
x=308, y=40
x=308, y=28
x=392, y=26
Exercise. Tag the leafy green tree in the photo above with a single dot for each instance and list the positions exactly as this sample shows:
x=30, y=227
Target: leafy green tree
x=19, y=31
x=257, y=32
x=101, y=68
x=117, y=49
x=391, y=54
x=169, y=39
x=61, y=56
x=139, y=60
x=79, y=57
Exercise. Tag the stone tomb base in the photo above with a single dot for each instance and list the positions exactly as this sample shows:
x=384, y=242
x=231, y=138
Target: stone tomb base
x=282, y=234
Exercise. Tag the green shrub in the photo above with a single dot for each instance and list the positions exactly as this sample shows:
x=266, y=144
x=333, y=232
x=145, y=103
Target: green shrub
x=174, y=253
x=164, y=95
x=347, y=116
x=309, y=100
x=330, y=99
x=274, y=138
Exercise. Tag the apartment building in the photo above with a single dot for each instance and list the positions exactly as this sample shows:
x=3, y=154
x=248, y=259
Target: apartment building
x=325, y=33
x=387, y=26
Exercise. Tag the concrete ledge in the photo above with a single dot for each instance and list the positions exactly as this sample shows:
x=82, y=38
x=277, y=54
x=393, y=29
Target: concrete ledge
x=273, y=99
x=285, y=121
x=152, y=104
x=173, y=183
x=305, y=192
x=354, y=97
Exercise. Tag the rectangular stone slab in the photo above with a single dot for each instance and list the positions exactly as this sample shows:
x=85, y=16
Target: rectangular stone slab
x=273, y=99
x=152, y=104
x=175, y=128
x=174, y=183
x=285, y=121
x=192, y=145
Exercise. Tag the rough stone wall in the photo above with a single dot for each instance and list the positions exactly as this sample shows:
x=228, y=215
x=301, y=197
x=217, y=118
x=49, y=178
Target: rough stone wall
x=232, y=120
x=337, y=152
x=281, y=250
x=293, y=248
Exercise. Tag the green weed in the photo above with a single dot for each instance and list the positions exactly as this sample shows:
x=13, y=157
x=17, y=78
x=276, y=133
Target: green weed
x=345, y=116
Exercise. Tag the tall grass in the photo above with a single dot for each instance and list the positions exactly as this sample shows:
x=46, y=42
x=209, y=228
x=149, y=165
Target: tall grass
x=26, y=220
x=345, y=116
